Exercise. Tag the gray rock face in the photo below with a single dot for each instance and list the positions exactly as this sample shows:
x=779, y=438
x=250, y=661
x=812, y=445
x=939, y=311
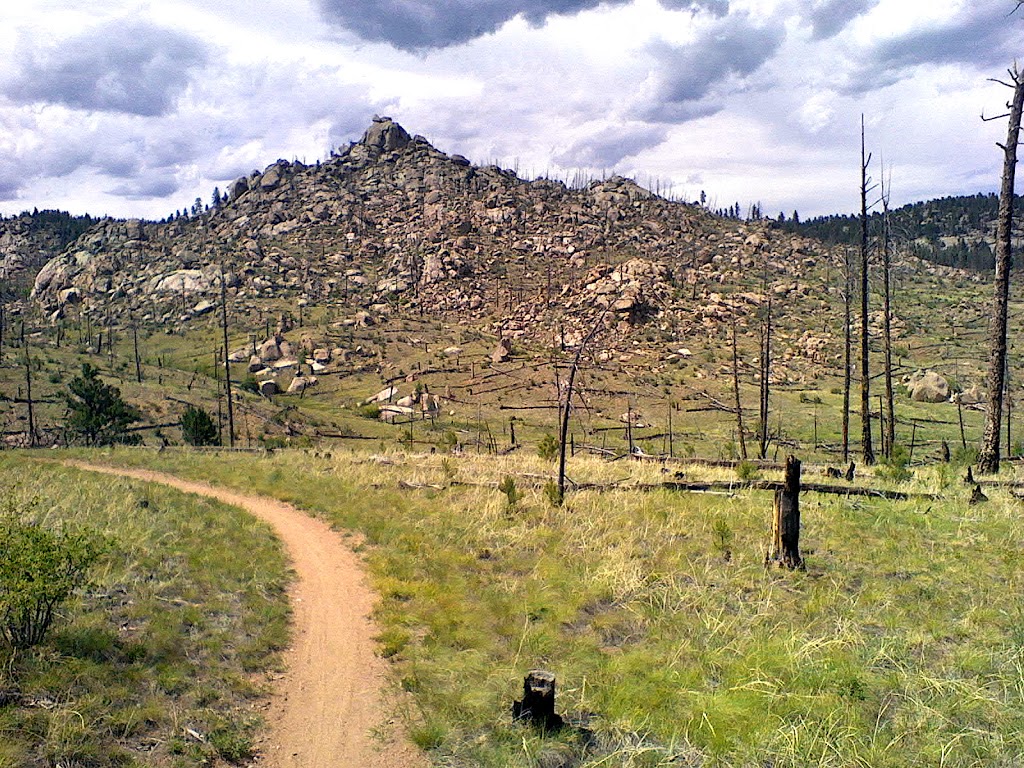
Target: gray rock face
x=204, y=307
x=502, y=352
x=386, y=134
x=300, y=384
x=928, y=387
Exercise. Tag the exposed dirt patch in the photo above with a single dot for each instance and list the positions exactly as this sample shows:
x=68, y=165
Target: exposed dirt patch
x=328, y=709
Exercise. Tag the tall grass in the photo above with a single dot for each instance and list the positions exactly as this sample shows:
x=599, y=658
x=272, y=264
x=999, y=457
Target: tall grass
x=169, y=639
x=900, y=645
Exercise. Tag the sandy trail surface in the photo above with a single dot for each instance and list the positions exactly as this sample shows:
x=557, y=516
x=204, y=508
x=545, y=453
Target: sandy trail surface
x=328, y=709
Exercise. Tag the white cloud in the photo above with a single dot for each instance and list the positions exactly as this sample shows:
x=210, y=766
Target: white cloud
x=751, y=99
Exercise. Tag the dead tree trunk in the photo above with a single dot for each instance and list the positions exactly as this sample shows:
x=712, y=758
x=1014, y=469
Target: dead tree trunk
x=988, y=456
x=227, y=362
x=567, y=406
x=867, y=453
x=847, y=351
x=736, y=396
x=28, y=390
x=889, y=420
x=135, y=344
x=786, y=519
x=766, y=357
x=538, y=703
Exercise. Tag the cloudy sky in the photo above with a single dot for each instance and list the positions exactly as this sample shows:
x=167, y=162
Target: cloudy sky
x=137, y=108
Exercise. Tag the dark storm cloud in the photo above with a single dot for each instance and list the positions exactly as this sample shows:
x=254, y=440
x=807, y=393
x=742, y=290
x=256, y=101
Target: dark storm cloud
x=981, y=36
x=124, y=66
x=611, y=145
x=829, y=17
x=442, y=23
x=687, y=75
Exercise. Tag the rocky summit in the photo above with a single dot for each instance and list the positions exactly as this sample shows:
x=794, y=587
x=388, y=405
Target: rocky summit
x=390, y=224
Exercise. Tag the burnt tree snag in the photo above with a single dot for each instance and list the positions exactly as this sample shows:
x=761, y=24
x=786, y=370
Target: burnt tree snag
x=786, y=519
x=736, y=396
x=227, y=362
x=867, y=452
x=566, y=407
x=538, y=704
x=847, y=349
x=889, y=410
x=766, y=361
x=988, y=456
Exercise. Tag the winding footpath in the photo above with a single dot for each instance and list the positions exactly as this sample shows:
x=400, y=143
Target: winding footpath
x=328, y=709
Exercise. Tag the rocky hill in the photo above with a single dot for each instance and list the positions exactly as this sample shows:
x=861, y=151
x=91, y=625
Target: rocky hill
x=392, y=226
x=29, y=240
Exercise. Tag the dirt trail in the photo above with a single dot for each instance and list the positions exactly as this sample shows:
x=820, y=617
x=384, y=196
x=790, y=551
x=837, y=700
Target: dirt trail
x=330, y=698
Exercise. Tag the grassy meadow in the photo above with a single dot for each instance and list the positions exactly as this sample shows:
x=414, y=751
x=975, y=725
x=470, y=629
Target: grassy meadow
x=899, y=645
x=163, y=660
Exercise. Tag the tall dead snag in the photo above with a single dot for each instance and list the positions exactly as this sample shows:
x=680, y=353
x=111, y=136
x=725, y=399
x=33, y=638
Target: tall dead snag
x=736, y=396
x=766, y=358
x=567, y=406
x=867, y=453
x=889, y=420
x=847, y=349
x=28, y=390
x=227, y=361
x=988, y=456
x=786, y=519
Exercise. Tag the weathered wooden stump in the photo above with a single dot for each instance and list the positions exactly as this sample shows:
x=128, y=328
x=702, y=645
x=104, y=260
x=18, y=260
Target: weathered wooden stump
x=977, y=496
x=786, y=519
x=538, y=704
x=850, y=470
x=969, y=480
x=944, y=451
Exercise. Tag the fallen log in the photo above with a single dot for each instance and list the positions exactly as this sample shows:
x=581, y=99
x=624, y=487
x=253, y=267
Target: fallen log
x=778, y=485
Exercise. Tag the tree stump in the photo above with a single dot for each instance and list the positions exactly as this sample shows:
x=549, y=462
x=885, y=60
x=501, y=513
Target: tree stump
x=786, y=519
x=977, y=496
x=538, y=704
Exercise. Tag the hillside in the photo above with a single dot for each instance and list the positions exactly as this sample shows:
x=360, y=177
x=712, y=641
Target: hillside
x=29, y=240
x=460, y=295
x=953, y=231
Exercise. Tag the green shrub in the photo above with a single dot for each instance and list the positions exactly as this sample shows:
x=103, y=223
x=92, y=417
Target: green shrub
x=548, y=448
x=97, y=413
x=512, y=495
x=370, y=411
x=747, y=471
x=895, y=468
x=552, y=494
x=39, y=571
x=198, y=427
x=723, y=537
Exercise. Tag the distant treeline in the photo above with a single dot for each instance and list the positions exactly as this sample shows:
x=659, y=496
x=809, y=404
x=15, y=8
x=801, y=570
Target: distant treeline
x=953, y=231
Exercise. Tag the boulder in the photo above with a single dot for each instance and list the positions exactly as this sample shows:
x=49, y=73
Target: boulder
x=385, y=134
x=973, y=395
x=255, y=364
x=928, y=387
x=270, y=350
x=268, y=388
x=301, y=384
x=502, y=352
x=204, y=307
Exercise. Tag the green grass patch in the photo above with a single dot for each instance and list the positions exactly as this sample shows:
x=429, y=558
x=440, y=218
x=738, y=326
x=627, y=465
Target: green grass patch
x=181, y=617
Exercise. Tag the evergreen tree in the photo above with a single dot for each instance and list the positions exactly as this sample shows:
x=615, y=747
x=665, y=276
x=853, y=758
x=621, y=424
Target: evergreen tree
x=97, y=415
x=198, y=427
